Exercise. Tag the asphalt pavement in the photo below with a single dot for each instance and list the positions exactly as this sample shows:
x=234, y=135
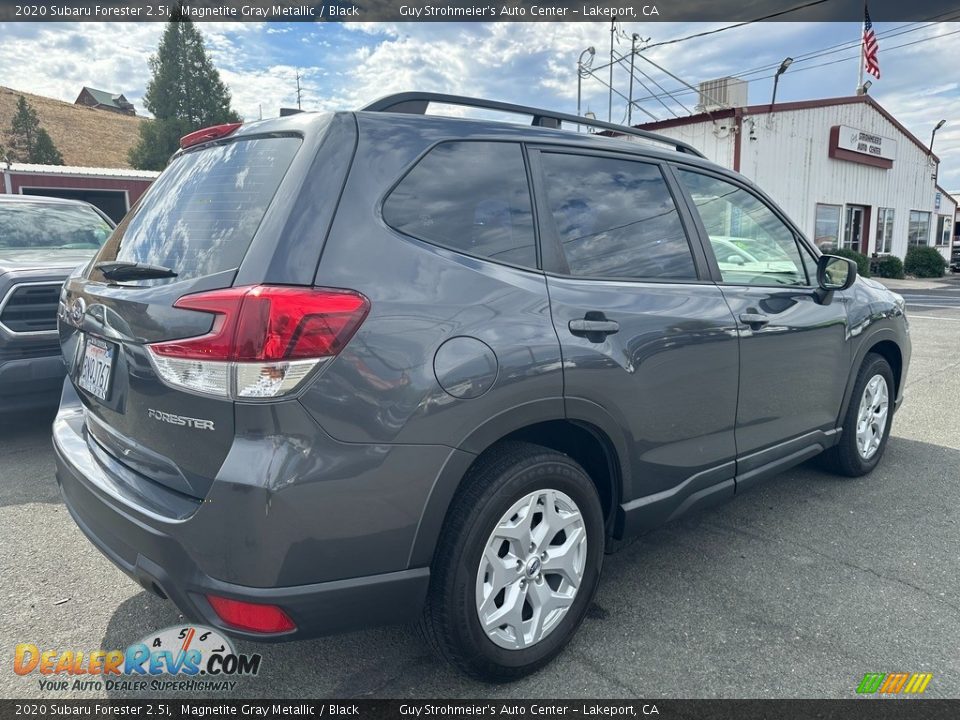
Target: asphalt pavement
x=796, y=589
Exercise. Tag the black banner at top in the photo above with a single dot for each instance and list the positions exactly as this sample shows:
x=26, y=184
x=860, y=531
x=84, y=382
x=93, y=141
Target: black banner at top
x=474, y=10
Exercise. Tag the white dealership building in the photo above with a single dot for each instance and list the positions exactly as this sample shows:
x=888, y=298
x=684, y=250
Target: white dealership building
x=844, y=169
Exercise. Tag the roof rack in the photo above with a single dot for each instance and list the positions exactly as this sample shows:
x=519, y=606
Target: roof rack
x=416, y=103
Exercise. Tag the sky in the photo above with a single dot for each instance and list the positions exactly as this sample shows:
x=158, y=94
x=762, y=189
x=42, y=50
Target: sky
x=345, y=66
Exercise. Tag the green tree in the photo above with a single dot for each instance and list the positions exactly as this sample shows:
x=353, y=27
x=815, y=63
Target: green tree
x=44, y=151
x=184, y=94
x=27, y=141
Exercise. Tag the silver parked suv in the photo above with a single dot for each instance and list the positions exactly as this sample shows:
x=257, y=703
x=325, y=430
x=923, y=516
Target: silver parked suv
x=351, y=368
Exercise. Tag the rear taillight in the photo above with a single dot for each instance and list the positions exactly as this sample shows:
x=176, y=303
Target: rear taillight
x=264, y=341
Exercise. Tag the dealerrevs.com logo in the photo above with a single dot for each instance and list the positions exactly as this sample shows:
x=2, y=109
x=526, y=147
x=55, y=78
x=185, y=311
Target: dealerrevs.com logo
x=187, y=658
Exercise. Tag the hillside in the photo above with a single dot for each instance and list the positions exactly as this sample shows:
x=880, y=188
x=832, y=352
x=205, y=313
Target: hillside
x=84, y=136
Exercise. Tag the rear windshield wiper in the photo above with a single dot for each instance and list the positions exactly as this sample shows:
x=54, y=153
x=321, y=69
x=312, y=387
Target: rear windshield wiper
x=118, y=270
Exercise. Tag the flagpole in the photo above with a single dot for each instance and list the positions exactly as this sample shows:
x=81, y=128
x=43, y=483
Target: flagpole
x=860, y=56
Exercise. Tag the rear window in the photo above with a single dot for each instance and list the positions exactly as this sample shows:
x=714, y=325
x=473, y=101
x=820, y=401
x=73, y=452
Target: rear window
x=50, y=226
x=200, y=215
x=471, y=197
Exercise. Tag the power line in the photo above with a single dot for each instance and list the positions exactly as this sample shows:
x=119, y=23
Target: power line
x=821, y=52
x=737, y=25
x=807, y=57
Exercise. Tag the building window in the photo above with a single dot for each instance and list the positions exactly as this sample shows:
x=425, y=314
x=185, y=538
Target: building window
x=919, y=229
x=943, y=230
x=827, y=226
x=884, y=243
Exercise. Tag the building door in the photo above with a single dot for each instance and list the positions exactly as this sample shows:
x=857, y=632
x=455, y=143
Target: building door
x=854, y=229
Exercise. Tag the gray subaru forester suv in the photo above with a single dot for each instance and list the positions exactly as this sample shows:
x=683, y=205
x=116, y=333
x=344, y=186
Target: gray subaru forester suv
x=356, y=368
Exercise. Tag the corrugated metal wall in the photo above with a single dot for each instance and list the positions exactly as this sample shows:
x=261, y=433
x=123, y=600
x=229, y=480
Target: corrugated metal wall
x=786, y=153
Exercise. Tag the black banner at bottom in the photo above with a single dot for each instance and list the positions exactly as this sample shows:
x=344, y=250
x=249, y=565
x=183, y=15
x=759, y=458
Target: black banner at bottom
x=872, y=709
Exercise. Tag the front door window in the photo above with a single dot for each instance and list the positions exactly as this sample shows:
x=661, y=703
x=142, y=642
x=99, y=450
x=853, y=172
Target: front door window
x=752, y=245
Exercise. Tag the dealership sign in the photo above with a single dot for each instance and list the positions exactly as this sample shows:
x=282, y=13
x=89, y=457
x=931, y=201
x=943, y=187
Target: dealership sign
x=856, y=145
x=867, y=143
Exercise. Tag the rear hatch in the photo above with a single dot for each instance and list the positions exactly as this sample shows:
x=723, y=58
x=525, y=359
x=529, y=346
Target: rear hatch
x=159, y=411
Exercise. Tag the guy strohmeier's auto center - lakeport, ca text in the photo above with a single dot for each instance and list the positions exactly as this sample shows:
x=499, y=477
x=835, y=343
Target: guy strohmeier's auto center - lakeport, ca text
x=293, y=12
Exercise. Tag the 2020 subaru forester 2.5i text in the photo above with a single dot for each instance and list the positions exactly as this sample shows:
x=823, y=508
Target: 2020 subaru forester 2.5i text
x=344, y=369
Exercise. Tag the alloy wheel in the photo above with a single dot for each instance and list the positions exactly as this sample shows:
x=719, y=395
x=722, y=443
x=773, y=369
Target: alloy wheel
x=531, y=569
x=872, y=416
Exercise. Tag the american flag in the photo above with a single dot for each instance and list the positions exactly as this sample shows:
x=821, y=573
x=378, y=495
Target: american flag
x=870, y=46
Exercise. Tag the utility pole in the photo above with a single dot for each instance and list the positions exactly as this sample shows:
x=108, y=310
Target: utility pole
x=633, y=55
x=298, y=91
x=613, y=30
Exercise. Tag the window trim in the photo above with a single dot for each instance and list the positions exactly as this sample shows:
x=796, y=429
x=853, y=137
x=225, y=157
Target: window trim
x=378, y=209
x=803, y=244
x=555, y=263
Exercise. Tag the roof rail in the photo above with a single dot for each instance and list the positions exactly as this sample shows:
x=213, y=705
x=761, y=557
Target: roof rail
x=416, y=103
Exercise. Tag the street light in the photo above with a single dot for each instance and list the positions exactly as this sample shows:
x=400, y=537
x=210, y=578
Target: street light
x=862, y=90
x=934, y=133
x=787, y=62
x=582, y=72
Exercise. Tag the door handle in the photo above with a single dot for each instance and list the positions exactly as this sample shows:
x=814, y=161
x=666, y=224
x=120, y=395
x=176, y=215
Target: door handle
x=594, y=329
x=754, y=319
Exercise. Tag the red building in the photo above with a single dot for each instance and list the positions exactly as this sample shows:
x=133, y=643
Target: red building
x=113, y=190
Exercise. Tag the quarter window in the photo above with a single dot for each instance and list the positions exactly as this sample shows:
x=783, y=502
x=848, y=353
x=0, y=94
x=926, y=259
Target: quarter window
x=472, y=197
x=752, y=245
x=884, y=240
x=616, y=218
x=918, y=232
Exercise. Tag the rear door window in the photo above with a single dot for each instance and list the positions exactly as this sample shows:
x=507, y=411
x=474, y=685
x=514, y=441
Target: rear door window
x=616, y=218
x=201, y=214
x=468, y=196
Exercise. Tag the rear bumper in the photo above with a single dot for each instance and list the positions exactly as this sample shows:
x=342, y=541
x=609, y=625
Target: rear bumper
x=148, y=549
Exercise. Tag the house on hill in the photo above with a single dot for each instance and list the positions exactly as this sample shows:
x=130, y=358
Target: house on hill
x=94, y=145
x=103, y=100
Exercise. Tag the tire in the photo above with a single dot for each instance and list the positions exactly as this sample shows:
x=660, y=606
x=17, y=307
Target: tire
x=846, y=458
x=510, y=473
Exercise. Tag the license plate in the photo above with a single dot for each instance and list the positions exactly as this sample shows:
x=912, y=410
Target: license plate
x=96, y=368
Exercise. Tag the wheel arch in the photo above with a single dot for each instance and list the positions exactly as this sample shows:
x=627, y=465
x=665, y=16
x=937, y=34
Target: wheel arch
x=883, y=342
x=595, y=448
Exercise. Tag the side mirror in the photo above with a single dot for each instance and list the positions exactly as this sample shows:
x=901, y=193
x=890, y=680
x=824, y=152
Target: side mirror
x=835, y=272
